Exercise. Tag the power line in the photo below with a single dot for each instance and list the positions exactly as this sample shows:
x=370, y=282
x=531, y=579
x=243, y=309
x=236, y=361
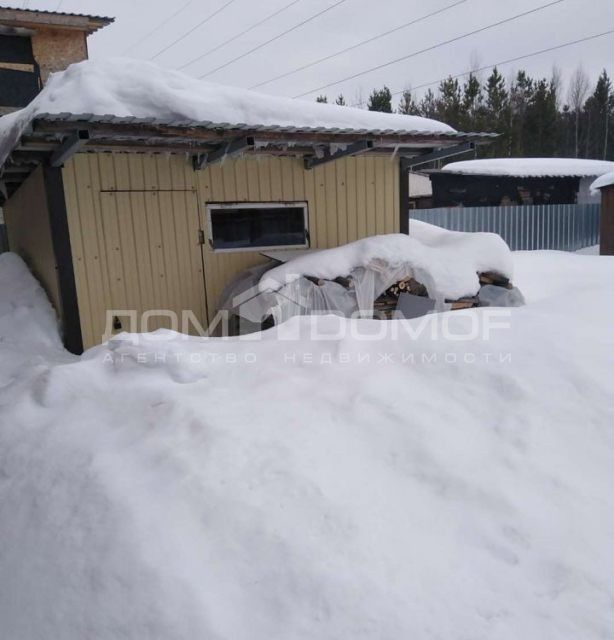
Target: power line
x=358, y=44
x=60, y=3
x=158, y=27
x=242, y=33
x=190, y=31
x=503, y=62
x=277, y=37
x=431, y=48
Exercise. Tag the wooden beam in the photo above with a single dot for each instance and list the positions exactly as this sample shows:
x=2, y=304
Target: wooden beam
x=69, y=147
x=353, y=149
x=439, y=154
x=230, y=150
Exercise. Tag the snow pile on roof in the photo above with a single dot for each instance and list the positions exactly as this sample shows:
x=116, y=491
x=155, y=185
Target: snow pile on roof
x=531, y=167
x=605, y=180
x=333, y=487
x=126, y=87
x=447, y=263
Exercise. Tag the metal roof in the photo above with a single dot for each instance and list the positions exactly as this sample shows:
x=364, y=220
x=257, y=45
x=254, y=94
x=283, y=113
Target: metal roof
x=241, y=126
x=32, y=13
x=51, y=138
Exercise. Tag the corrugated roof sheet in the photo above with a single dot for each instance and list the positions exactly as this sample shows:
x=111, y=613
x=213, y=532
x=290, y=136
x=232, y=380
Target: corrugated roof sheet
x=106, y=19
x=190, y=124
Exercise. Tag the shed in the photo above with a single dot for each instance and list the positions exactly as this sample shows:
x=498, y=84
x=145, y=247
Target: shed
x=517, y=181
x=604, y=187
x=137, y=192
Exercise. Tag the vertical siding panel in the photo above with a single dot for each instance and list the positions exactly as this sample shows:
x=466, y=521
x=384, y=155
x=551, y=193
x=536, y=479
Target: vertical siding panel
x=241, y=179
x=287, y=180
x=342, y=212
x=253, y=180
x=332, y=205
x=371, y=199
x=320, y=207
x=361, y=190
x=264, y=178
x=351, y=199
x=276, y=180
x=389, y=166
x=380, y=195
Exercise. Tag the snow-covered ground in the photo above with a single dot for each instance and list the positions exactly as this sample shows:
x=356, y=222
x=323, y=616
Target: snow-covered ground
x=334, y=487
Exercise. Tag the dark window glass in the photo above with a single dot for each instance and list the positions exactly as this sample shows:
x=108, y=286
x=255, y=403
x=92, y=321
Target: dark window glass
x=247, y=227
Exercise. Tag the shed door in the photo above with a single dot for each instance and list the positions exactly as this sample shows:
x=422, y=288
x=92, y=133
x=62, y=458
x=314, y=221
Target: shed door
x=153, y=255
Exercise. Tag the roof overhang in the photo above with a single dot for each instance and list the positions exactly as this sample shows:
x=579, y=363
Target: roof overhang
x=52, y=138
x=22, y=21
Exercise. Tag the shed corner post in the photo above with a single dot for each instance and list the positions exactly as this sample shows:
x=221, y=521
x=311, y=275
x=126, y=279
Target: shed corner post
x=60, y=237
x=403, y=197
x=606, y=222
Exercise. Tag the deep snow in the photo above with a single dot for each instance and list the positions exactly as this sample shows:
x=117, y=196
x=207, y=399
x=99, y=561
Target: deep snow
x=282, y=488
x=127, y=87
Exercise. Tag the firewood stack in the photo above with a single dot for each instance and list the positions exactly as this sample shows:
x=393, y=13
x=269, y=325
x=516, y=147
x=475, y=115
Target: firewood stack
x=386, y=304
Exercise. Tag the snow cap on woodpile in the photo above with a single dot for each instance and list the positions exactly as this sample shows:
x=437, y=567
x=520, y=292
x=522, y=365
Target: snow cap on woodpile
x=531, y=167
x=605, y=180
x=447, y=263
x=126, y=87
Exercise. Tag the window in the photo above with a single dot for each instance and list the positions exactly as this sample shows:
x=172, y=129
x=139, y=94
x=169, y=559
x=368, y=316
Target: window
x=252, y=226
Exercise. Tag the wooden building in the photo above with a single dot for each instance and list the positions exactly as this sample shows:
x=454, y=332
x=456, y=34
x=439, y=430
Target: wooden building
x=34, y=44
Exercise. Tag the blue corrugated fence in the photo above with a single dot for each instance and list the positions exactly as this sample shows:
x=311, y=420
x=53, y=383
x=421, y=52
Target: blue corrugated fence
x=566, y=227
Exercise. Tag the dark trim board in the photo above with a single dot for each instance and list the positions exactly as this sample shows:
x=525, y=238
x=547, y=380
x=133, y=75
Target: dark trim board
x=58, y=221
x=404, y=196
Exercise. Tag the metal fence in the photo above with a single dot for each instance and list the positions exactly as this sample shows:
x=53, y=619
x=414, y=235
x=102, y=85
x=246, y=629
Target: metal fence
x=566, y=227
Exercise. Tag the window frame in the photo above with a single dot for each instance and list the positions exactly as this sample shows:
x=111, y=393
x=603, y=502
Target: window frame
x=285, y=204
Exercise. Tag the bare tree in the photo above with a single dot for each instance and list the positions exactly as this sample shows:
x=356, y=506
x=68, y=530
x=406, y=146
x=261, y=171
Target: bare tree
x=578, y=90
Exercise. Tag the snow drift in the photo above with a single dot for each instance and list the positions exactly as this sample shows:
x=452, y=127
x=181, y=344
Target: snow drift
x=446, y=262
x=126, y=87
x=314, y=483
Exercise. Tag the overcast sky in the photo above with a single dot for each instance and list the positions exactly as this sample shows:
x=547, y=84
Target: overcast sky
x=344, y=25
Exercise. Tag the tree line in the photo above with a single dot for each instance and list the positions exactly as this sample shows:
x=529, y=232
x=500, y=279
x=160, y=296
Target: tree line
x=534, y=116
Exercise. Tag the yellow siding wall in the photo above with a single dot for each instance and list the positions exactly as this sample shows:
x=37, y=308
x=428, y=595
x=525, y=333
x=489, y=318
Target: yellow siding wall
x=347, y=199
x=29, y=232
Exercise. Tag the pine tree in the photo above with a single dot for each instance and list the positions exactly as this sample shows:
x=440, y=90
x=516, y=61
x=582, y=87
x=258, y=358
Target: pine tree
x=449, y=103
x=428, y=105
x=407, y=105
x=599, y=110
x=380, y=100
x=322, y=99
x=497, y=113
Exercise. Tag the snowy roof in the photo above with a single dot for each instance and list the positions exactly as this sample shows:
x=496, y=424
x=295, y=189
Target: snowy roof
x=18, y=17
x=606, y=180
x=531, y=167
x=145, y=104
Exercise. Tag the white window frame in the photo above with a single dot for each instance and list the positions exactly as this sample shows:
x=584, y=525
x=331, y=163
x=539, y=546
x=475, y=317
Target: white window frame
x=300, y=204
